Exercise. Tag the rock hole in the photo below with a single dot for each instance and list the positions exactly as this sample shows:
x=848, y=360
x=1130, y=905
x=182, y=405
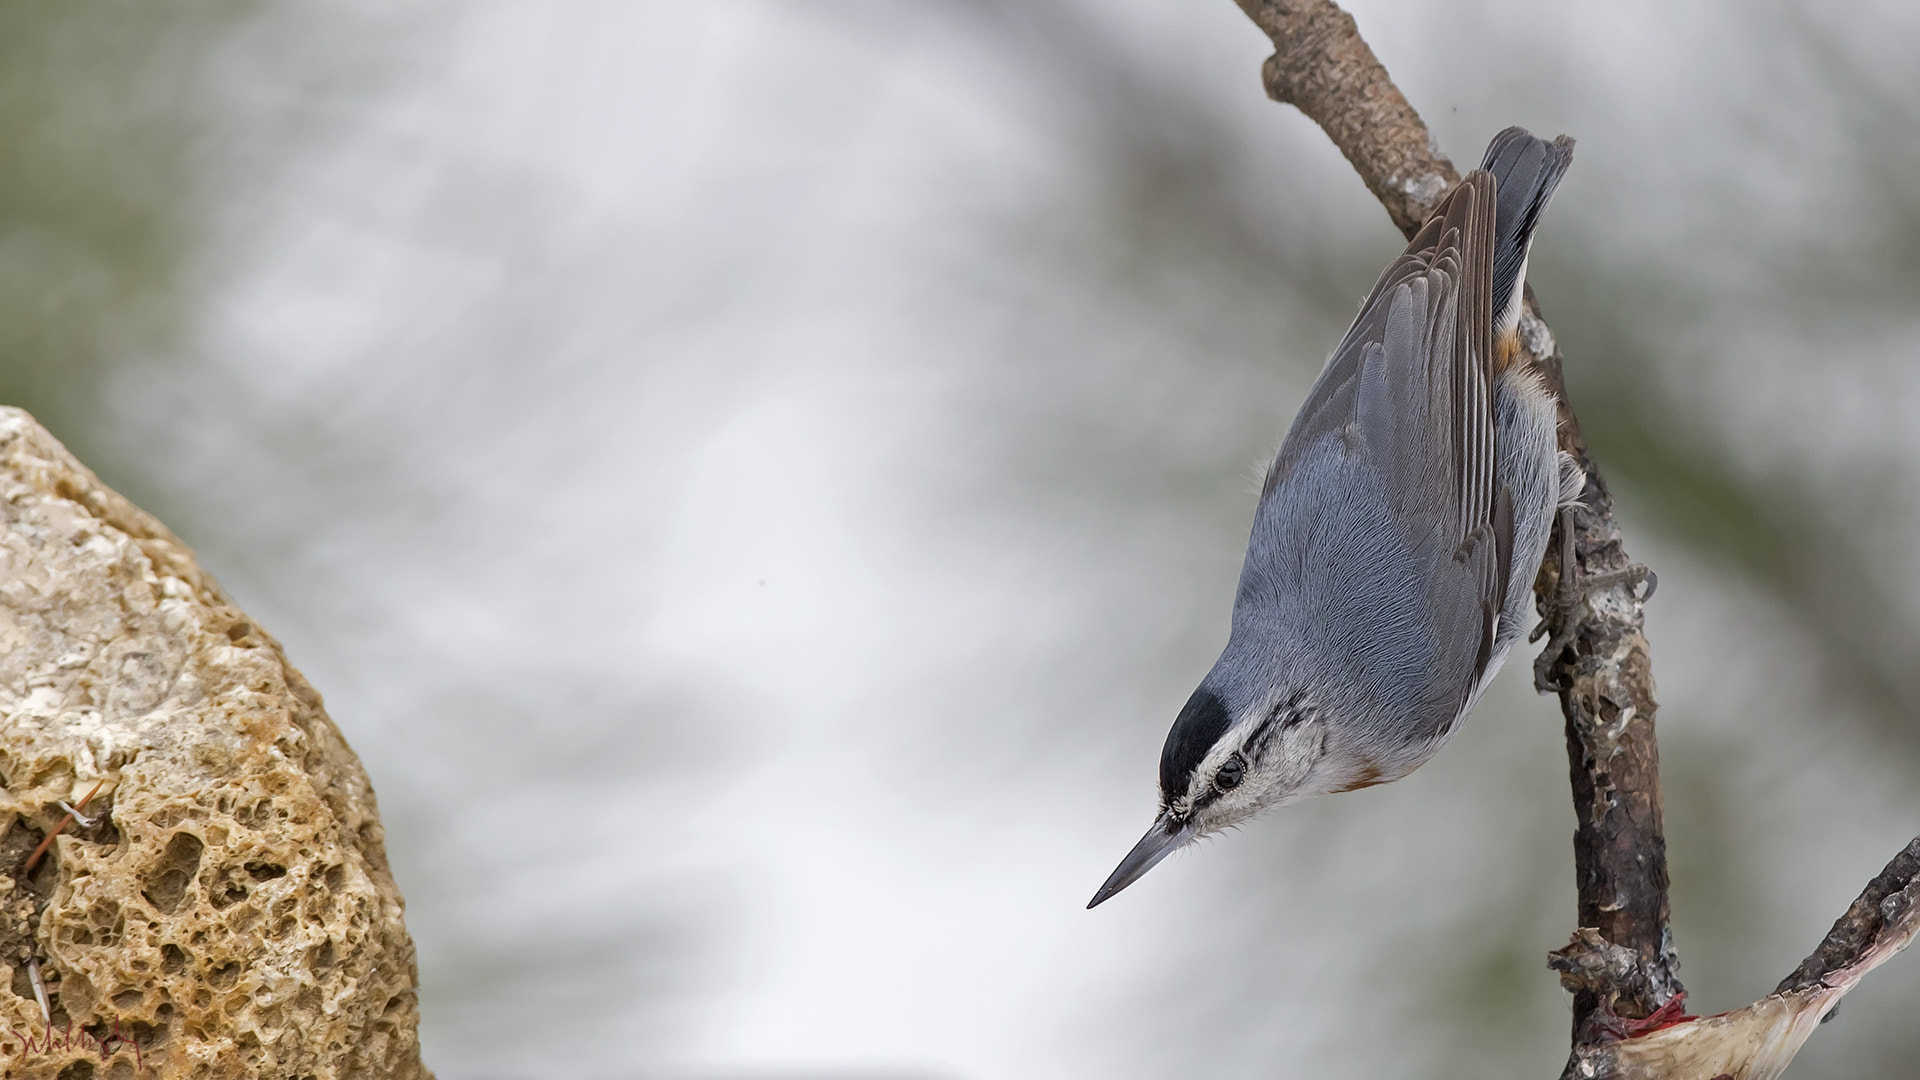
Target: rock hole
x=320, y=957
x=79, y=1070
x=100, y=1030
x=239, y=630
x=127, y=999
x=223, y=976
x=243, y=920
x=173, y=959
x=168, y=879
x=265, y=871
x=335, y=877
x=22, y=984
x=229, y=894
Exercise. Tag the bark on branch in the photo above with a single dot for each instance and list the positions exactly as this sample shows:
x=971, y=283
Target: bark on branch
x=1620, y=964
x=1322, y=67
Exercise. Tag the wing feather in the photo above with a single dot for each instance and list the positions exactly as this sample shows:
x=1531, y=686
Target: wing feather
x=1409, y=392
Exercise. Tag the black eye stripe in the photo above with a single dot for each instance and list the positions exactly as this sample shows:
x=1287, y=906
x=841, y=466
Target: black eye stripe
x=1290, y=712
x=1286, y=713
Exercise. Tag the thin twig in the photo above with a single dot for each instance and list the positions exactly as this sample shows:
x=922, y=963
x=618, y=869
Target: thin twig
x=72, y=812
x=1878, y=912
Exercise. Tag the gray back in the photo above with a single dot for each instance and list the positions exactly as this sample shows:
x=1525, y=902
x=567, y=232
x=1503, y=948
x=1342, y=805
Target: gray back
x=1381, y=548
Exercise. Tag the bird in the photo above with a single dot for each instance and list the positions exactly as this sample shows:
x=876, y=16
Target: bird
x=1398, y=531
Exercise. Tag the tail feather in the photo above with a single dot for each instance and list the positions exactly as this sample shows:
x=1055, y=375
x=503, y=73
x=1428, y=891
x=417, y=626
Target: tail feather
x=1526, y=169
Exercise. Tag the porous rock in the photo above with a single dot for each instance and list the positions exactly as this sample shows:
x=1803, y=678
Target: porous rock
x=229, y=911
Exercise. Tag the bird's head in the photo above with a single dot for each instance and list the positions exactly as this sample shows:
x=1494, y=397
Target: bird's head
x=1225, y=761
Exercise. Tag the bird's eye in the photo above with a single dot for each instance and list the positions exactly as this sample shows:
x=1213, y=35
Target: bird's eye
x=1231, y=773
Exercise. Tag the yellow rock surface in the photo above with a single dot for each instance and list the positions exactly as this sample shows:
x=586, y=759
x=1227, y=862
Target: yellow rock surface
x=230, y=908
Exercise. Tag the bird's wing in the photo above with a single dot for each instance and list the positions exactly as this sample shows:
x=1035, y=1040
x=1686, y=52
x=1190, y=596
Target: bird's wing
x=1407, y=399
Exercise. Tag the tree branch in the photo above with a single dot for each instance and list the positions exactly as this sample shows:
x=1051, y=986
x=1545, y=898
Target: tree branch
x=1760, y=1041
x=1322, y=67
x=1620, y=964
x=1884, y=909
x=1598, y=658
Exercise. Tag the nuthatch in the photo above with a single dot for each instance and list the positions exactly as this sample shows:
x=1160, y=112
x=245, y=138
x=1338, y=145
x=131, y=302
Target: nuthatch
x=1398, y=532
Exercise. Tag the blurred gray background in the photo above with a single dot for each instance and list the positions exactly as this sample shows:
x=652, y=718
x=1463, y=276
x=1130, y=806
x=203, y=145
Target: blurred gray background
x=754, y=482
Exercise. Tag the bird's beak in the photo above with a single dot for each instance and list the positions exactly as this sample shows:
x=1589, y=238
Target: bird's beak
x=1167, y=833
